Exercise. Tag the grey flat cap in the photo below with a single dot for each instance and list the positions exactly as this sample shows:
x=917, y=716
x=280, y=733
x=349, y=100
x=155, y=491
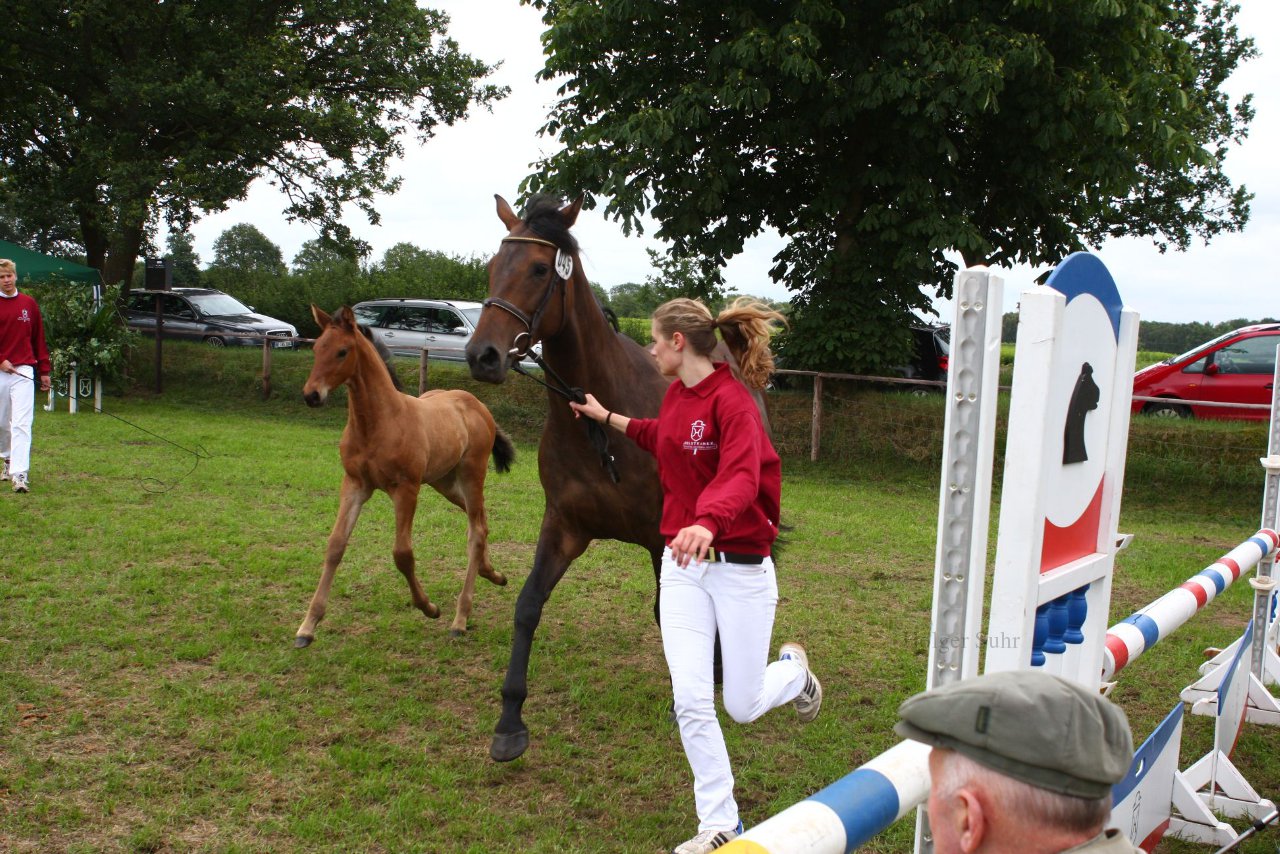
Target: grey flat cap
x=1034, y=727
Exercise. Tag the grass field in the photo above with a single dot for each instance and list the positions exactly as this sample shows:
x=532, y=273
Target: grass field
x=151, y=699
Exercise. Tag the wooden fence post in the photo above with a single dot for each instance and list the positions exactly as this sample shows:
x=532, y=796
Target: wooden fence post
x=266, y=367
x=815, y=430
x=423, y=373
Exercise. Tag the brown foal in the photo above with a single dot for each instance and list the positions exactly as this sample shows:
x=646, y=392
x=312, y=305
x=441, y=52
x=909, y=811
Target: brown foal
x=396, y=443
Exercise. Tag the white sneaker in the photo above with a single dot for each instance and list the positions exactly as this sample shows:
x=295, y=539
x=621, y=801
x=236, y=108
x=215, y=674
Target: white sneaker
x=810, y=700
x=20, y=483
x=708, y=840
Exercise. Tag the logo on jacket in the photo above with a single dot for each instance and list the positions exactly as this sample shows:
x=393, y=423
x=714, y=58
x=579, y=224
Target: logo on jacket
x=24, y=317
x=696, y=443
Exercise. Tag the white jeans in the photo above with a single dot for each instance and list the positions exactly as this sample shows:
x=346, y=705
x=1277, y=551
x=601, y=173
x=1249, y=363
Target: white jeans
x=739, y=600
x=17, y=406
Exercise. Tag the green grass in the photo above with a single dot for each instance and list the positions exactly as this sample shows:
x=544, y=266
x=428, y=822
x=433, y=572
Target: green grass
x=151, y=699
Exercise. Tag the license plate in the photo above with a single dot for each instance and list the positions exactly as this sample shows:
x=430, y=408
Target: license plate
x=281, y=343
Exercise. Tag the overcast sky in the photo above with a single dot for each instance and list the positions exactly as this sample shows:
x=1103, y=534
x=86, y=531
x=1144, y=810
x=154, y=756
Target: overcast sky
x=446, y=200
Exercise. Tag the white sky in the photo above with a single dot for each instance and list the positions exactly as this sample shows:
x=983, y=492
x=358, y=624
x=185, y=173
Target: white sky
x=446, y=200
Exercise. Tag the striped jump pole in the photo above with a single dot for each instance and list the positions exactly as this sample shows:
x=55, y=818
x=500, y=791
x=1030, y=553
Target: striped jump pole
x=1130, y=638
x=850, y=811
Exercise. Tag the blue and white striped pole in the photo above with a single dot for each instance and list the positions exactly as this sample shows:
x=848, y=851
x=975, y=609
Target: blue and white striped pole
x=850, y=811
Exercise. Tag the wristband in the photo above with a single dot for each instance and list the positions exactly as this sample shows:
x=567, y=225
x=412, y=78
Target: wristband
x=606, y=419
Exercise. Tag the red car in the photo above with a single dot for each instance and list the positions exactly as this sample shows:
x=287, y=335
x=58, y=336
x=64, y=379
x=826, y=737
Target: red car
x=1238, y=367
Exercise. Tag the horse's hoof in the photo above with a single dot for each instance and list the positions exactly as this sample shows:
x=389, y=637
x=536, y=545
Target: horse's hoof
x=433, y=612
x=457, y=633
x=508, y=745
x=499, y=579
x=302, y=641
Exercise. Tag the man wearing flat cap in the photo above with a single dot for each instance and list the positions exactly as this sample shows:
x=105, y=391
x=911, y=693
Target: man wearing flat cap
x=1022, y=762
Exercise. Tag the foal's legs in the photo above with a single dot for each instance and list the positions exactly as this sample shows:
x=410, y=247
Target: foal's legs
x=467, y=492
x=405, y=499
x=351, y=500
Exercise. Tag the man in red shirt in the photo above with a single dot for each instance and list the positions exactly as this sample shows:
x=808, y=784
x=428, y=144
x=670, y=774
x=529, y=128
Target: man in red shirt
x=23, y=353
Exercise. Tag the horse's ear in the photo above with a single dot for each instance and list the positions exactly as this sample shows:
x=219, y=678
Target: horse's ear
x=506, y=214
x=570, y=212
x=322, y=319
x=344, y=319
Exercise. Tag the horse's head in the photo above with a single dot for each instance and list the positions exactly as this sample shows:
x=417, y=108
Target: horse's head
x=336, y=354
x=529, y=286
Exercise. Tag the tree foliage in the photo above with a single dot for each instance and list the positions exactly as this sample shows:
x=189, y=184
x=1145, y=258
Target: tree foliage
x=186, y=262
x=82, y=331
x=250, y=267
x=633, y=300
x=119, y=114
x=244, y=250
x=408, y=271
x=318, y=258
x=682, y=276
x=877, y=136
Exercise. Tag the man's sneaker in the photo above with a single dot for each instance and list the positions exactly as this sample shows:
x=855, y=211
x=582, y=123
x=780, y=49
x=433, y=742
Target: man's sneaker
x=20, y=483
x=708, y=840
x=4, y=471
x=810, y=699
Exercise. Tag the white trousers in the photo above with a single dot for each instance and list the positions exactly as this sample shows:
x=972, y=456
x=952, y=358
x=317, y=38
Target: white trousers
x=739, y=600
x=17, y=406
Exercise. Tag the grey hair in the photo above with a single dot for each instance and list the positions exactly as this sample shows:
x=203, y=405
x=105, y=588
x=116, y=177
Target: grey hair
x=1033, y=804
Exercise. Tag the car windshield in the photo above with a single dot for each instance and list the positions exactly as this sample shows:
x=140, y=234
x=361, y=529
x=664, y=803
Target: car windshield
x=1200, y=349
x=217, y=304
x=473, y=315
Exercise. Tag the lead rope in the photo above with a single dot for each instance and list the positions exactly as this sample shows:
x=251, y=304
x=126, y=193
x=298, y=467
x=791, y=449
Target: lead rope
x=199, y=454
x=596, y=432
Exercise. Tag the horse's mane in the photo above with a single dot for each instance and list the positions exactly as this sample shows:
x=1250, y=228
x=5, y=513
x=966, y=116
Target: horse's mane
x=384, y=352
x=542, y=215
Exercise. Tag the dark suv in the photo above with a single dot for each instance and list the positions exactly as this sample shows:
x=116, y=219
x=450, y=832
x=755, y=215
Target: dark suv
x=931, y=355
x=204, y=314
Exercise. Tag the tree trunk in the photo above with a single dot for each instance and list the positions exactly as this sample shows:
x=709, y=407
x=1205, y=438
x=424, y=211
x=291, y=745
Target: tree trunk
x=122, y=255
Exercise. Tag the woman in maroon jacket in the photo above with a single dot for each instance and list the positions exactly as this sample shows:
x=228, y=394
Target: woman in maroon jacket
x=721, y=483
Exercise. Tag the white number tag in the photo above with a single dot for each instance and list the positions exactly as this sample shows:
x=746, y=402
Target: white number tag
x=564, y=265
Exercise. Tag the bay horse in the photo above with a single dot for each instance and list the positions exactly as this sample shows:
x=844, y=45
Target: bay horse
x=396, y=442
x=538, y=292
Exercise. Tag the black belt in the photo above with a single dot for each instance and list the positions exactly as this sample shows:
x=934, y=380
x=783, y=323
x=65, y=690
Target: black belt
x=735, y=557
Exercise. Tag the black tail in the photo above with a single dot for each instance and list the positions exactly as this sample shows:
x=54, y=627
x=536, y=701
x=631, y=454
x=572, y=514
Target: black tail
x=504, y=453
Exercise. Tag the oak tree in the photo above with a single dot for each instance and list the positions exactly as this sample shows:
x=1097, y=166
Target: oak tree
x=877, y=135
x=131, y=111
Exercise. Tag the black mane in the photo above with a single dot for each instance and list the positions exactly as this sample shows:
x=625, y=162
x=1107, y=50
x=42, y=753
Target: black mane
x=542, y=215
x=384, y=352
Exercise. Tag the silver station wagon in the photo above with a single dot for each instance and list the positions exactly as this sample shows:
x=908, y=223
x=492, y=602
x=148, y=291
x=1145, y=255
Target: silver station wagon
x=408, y=326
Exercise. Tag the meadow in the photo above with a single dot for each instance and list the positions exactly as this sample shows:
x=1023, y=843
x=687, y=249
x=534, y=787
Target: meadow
x=151, y=699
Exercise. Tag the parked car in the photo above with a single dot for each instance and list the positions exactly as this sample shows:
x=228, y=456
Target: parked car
x=930, y=359
x=204, y=314
x=407, y=326
x=931, y=356
x=1238, y=367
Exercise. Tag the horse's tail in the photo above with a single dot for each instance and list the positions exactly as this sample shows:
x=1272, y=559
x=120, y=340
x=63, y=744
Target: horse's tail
x=504, y=453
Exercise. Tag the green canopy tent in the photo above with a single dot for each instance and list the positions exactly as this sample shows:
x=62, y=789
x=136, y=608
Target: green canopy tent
x=34, y=267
